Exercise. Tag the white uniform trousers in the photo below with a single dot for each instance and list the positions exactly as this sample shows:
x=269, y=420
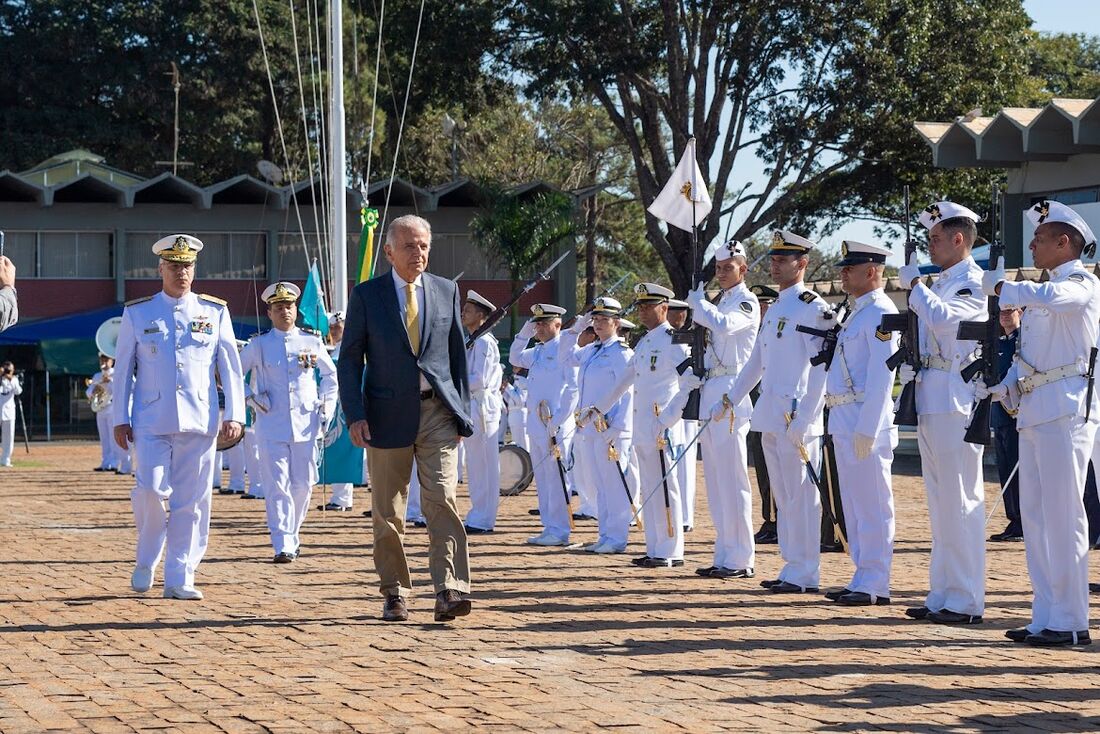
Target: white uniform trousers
x=290, y=471
x=729, y=493
x=179, y=468
x=687, y=470
x=252, y=464
x=614, y=502
x=868, y=502
x=108, y=449
x=234, y=457
x=219, y=466
x=517, y=420
x=124, y=459
x=658, y=542
x=7, y=441
x=341, y=493
x=1054, y=460
x=798, y=505
x=553, y=508
x=483, y=475
x=583, y=477
x=952, y=470
x=413, y=513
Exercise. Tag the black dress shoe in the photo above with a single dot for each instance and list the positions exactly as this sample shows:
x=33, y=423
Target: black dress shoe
x=706, y=571
x=249, y=496
x=639, y=560
x=224, y=491
x=661, y=563
x=333, y=507
x=861, y=599
x=1052, y=638
x=768, y=583
x=837, y=593
x=946, y=616
x=450, y=604
x=1010, y=535
x=582, y=516
x=394, y=609
x=420, y=524
x=767, y=528
x=832, y=548
x=284, y=557
x=784, y=587
x=471, y=530
x=768, y=537
x=1094, y=588
x=1018, y=635
x=368, y=513
x=732, y=573
x=688, y=528
x=917, y=612
x=533, y=512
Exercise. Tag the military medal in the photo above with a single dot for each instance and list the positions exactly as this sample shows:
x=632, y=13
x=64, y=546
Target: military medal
x=779, y=327
x=653, y=363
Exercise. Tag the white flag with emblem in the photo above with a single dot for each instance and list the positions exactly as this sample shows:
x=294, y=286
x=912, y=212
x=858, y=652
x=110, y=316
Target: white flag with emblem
x=684, y=202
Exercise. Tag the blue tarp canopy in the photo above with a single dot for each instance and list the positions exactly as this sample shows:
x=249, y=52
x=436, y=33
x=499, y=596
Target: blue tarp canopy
x=980, y=255
x=68, y=342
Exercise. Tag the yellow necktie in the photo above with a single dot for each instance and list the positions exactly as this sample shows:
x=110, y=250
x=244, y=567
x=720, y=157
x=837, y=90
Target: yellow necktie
x=412, y=317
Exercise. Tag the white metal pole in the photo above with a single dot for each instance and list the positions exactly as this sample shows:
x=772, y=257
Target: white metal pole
x=337, y=163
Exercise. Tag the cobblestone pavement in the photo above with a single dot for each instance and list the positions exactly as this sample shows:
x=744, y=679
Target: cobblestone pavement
x=557, y=640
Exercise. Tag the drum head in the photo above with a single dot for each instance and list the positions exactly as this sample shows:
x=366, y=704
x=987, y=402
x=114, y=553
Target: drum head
x=515, y=470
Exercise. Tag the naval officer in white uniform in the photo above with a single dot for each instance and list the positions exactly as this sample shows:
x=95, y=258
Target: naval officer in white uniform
x=861, y=422
x=482, y=453
x=1050, y=384
x=171, y=344
x=292, y=411
x=952, y=468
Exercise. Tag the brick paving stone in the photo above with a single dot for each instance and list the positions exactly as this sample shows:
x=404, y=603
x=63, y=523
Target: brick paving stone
x=558, y=641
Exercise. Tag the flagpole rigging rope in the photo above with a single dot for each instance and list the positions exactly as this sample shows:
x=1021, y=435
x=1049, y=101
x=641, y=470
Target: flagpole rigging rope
x=374, y=96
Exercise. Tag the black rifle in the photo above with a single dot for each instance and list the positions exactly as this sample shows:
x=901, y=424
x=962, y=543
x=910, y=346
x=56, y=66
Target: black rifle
x=987, y=333
x=829, y=336
x=909, y=351
x=496, y=316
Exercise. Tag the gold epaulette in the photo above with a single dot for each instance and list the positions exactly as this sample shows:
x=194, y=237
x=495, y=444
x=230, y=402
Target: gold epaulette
x=213, y=299
x=139, y=300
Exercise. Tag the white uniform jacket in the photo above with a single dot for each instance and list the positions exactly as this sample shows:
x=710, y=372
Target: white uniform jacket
x=549, y=378
x=733, y=323
x=955, y=296
x=173, y=347
x=780, y=362
x=600, y=367
x=1058, y=328
x=284, y=365
x=9, y=389
x=859, y=369
x=652, y=372
x=485, y=372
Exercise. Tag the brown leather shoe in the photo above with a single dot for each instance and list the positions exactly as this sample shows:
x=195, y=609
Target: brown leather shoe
x=449, y=604
x=395, y=610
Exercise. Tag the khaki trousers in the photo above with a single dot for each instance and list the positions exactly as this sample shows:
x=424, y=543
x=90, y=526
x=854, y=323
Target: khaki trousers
x=436, y=453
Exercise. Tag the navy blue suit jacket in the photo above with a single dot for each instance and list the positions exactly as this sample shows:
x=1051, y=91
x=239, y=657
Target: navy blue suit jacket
x=380, y=375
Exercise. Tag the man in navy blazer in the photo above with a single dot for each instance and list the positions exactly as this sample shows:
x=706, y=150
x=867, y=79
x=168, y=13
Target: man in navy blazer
x=405, y=394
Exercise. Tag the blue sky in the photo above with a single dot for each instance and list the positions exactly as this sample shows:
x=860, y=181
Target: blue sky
x=1055, y=16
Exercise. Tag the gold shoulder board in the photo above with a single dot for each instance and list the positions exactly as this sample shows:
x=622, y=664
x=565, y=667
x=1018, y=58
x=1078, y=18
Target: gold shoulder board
x=213, y=299
x=139, y=300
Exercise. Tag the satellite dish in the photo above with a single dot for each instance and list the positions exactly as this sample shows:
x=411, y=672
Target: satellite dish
x=270, y=171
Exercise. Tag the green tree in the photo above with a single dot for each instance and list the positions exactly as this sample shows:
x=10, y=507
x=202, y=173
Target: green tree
x=518, y=232
x=823, y=94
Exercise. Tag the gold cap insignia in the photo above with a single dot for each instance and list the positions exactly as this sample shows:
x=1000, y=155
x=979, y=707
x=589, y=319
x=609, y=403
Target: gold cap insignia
x=180, y=245
x=537, y=310
x=844, y=249
x=777, y=238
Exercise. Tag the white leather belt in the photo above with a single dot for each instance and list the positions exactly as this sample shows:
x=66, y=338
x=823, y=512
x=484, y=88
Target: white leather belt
x=722, y=371
x=843, y=398
x=1038, y=379
x=935, y=362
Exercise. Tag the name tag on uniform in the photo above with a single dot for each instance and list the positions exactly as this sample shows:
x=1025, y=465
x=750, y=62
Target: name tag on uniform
x=152, y=330
x=202, y=326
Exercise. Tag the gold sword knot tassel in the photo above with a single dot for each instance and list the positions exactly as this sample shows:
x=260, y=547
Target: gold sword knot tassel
x=612, y=452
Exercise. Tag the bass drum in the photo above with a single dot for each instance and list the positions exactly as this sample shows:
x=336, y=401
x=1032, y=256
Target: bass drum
x=516, y=471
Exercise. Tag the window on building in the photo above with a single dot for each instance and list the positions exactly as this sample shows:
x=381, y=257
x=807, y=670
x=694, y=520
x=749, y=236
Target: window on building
x=224, y=256
x=292, y=259
x=22, y=249
x=73, y=254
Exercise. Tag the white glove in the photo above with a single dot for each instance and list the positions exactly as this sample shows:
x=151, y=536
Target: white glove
x=718, y=411
x=906, y=373
x=862, y=445
x=909, y=273
x=797, y=432
x=528, y=330
x=991, y=279
x=696, y=296
x=998, y=392
x=581, y=323
x=690, y=381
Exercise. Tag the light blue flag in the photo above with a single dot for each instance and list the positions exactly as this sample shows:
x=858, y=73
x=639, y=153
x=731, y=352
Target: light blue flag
x=311, y=308
x=342, y=460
